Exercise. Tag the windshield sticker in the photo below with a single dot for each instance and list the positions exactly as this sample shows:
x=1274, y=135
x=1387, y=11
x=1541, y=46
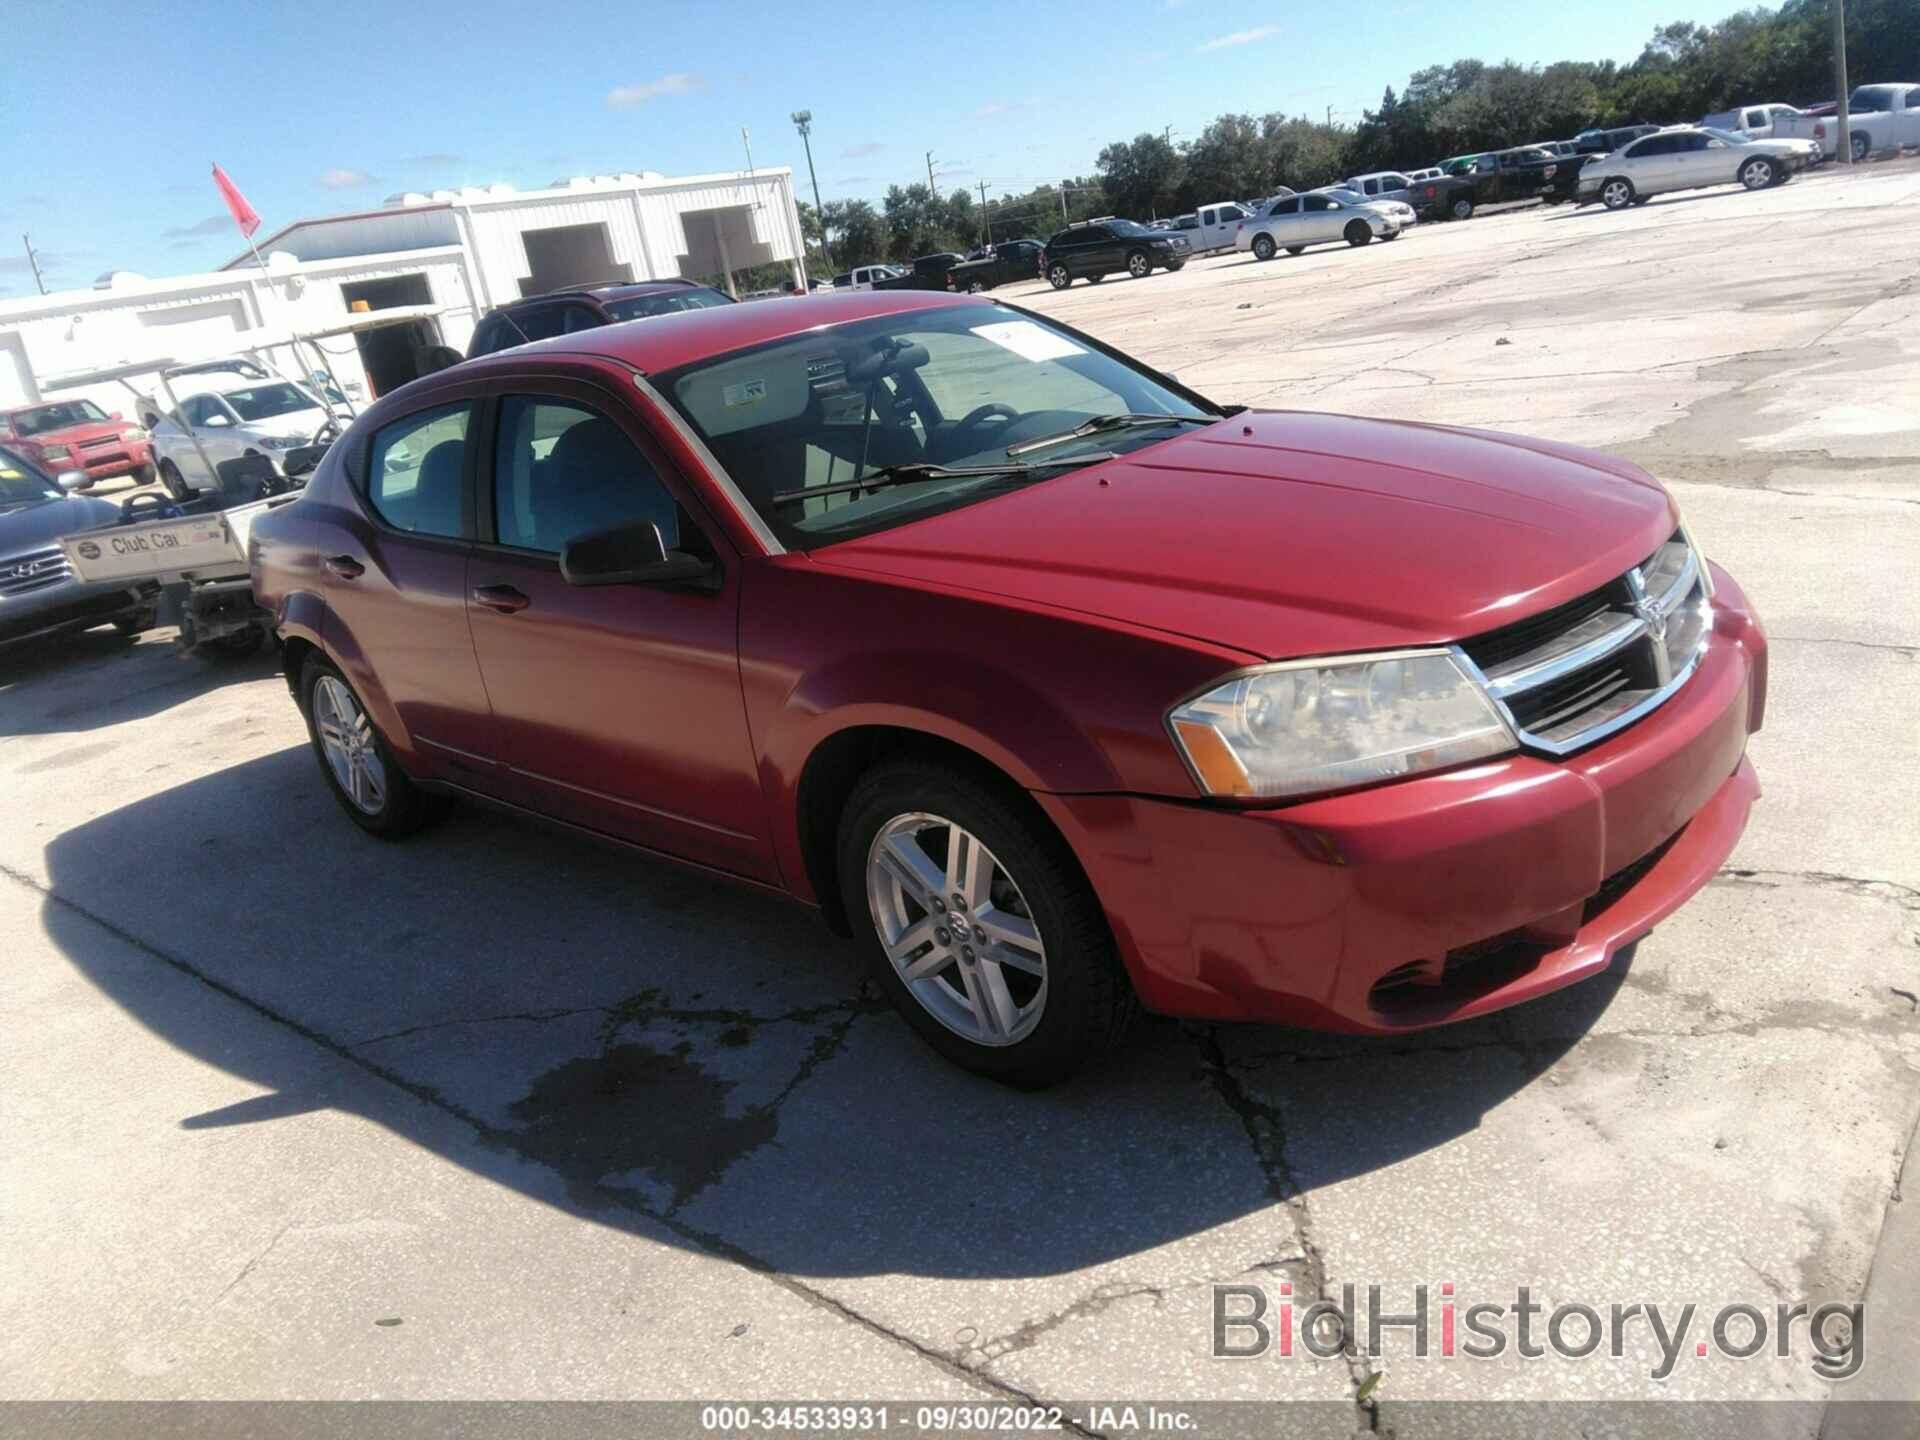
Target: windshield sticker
x=747, y=392
x=1028, y=340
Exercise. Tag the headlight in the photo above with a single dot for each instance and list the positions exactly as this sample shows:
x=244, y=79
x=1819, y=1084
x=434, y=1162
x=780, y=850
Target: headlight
x=55, y=452
x=282, y=442
x=136, y=432
x=1313, y=725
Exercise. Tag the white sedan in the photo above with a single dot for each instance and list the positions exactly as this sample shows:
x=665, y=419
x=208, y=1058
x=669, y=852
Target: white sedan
x=1296, y=221
x=1690, y=157
x=241, y=417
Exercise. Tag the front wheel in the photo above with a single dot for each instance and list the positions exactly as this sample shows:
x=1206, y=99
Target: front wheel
x=1059, y=277
x=979, y=926
x=1358, y=233
x=358, y=765
x=143, y=474
x=1758, y=174
x=1617, y=193
x=173, y=482
x=1139, y=265
x=1263, y=247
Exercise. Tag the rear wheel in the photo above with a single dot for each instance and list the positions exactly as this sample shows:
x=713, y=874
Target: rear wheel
x=1758, y=174
x=1617, y=193
x=173, y=482
x=978, y=925
x=1263, y=247
x=1861, y=146
x=359, y=768
x=1461, y=208
x=1059, y=277
x=1357, y=233
x=1139, y=264
x=976, y=285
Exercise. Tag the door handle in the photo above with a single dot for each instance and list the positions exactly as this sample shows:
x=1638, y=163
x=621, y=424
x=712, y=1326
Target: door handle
x=503, y=598
x=345, y=566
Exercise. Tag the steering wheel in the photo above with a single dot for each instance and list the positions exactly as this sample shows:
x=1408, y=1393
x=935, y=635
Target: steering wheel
x=981, y=413
x=138, y=509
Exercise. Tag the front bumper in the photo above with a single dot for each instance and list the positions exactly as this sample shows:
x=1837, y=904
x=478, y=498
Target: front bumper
x=1438, y=898
x=123, y=457
x=69, y=605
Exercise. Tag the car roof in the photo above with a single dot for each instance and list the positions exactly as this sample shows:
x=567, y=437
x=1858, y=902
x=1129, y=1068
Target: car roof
x=667, y=342
x=612, y=290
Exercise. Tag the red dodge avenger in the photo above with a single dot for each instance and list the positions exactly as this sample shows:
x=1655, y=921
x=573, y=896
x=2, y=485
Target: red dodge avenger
x=1062, y=689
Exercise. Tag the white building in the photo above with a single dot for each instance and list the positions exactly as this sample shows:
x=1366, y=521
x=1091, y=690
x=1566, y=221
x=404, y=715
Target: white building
x=463, y=252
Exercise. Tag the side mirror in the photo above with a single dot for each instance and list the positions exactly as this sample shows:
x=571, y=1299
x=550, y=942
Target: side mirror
x=72, y=480
x=116, y=415
x=216, y=421
x=630, y=555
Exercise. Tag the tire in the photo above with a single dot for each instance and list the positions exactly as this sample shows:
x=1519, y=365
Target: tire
x=1295, y=249
x=1059, y=277
x=1391, y=235
x=173, y=482
x=1063, y=998
x=137, y=623
x=402, y=807
x=1358, y=233
x=1461, y=208
x=1617, y=193
x=976, y=286
x=1139, y=264
x=1759, y=174
x=143, y=474
x=1263, y=247
x=1860, y=145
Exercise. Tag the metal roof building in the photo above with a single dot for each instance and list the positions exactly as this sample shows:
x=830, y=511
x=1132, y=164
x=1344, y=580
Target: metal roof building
x=462, y=252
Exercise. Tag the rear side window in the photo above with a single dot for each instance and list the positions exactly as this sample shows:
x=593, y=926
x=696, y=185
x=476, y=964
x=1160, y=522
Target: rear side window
x=563, y=471
x=1288, y=206
x=1318, y=202
x=495, y=334
x=417, y=468
x=539, y=322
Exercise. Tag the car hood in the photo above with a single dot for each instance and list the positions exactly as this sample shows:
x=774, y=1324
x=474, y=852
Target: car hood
x=38, y=526
x=1288, y=534
x=74, y=434
x=294, y=422
x=1780, y=147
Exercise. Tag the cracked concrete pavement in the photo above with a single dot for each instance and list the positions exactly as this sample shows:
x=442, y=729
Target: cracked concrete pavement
x=495, y=1114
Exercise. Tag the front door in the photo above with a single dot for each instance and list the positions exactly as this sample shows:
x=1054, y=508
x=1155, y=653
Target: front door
x=618, y=706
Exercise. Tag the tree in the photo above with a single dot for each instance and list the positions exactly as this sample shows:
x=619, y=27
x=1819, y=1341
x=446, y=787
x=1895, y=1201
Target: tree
x=1229, y=160
x=1142, y=177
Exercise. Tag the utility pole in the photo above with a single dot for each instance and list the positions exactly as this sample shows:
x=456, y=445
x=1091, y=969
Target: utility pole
x=1063, y=204
x=34, y=261
x=931, y=189
x=1843, y=142
x=803, y=121
x=986, y=231
x=1329, y=117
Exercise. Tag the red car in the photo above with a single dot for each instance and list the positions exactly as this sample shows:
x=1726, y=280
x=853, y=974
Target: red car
x=78, y=435
x=1062, y=689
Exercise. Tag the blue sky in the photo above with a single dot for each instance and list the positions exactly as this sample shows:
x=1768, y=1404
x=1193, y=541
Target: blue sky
x=322, y=108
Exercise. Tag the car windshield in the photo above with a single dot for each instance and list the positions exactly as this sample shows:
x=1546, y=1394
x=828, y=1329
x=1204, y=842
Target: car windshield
x=1128, y=227
x=22, y=482
x=1725, y=135
x=1345, y=196
x=672, y=302
x=950, y=387
x=263, y=402
x=44, y=418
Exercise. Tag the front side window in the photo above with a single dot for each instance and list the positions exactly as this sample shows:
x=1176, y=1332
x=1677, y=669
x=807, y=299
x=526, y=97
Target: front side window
x=561, y=471
x=539, y=322
x=672, y=302
x=24, y=483
x=417, y=469
x=1318, y=202
x=1288, y=206
x=263, y=402
x=801, y=424
x=201, y=410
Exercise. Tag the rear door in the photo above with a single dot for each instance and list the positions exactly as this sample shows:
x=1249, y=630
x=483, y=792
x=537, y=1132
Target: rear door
x=618, y=706
x=1648, y=163
x=396, y=587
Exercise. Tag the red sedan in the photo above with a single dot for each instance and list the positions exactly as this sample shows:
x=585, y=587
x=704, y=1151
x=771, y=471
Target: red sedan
x=1062, y=689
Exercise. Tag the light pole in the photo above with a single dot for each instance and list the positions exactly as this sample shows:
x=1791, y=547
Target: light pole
x=803, y=122
x=1843, y=151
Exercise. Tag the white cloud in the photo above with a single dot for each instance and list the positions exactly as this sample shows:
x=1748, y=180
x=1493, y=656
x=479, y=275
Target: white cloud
x=678, y=83
x=861, y=152
x=342, y=179
x=1239, y=37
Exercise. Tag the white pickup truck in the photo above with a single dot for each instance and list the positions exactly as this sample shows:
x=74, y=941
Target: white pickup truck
x=1879, y=118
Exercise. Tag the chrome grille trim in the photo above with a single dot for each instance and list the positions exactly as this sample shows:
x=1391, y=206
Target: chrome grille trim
x=1591, y=659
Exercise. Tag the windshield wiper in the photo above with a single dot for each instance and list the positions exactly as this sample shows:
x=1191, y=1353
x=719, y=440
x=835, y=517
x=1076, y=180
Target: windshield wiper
x=919, y=470
x=1107, y=422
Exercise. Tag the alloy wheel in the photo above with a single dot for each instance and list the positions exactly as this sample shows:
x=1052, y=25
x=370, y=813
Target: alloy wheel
x=956, y=929
x=1756, y=175
x=1617, y=195
x=346, y=737
x=1138, y=266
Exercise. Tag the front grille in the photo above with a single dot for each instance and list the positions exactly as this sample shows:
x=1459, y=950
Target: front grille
x=1571, y=675
x=103, y=441
x=35, y=570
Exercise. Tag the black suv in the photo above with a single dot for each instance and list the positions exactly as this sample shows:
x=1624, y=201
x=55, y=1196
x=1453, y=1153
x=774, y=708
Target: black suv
x=586, y=307
x=1095, y=249
x=1606, y=142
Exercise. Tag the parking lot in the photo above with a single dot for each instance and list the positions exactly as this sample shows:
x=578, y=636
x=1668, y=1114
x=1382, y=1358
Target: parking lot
x=292, y=1113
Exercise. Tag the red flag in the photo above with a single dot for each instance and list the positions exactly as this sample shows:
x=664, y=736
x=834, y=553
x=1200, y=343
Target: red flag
x=243, y=214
